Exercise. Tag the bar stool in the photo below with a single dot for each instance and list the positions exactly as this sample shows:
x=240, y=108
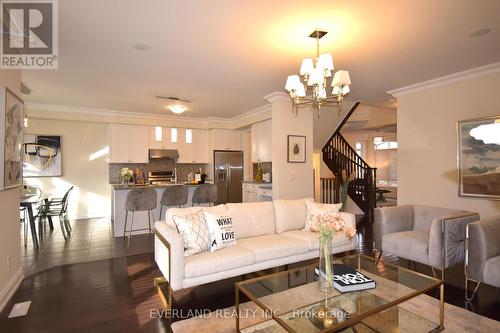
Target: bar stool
x=205, y=194
x=139, y=200
x=176, y=195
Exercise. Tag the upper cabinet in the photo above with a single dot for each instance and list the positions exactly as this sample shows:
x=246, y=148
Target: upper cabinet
x=224, y=139
x=197, y=150
x=131, y=144
x=128, y=144
x=164, y=143
x=262, y=145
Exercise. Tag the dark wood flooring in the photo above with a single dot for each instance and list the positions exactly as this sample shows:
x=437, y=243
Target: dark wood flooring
x=117, y=295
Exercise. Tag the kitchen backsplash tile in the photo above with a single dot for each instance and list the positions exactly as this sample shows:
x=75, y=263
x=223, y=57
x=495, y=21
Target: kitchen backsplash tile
x=267, y=167
x=155, y=164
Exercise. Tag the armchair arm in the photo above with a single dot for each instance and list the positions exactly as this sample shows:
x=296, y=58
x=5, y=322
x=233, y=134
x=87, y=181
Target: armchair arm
x=450, y=229
x=391, y=219
x=169, y=254
x=483, y=243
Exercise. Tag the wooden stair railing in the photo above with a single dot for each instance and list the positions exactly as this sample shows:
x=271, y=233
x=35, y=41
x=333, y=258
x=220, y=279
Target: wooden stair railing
x=338, y=155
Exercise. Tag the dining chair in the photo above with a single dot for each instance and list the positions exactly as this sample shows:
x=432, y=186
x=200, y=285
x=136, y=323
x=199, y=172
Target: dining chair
x=57, y=207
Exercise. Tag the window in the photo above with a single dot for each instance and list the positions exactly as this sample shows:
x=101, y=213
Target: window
x=387, y=145
x=359, y=148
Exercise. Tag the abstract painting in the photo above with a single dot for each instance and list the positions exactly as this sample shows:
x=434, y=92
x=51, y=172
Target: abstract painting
x=296, y=149
x=12, y=128
x=479, y=157
x=42, y=156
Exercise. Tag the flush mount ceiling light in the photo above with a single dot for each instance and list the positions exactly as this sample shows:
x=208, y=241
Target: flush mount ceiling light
x=174, y=104
x=315, y=74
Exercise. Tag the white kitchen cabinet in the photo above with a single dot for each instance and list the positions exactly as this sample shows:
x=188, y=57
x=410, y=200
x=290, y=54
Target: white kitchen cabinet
x=250, y=192
x=165, y=142
x=225, y=139
x=200, y=141
x=119, y=144
x=262, y=146
x=128, y=144
x=186, y=150
x=233, y=140
x=197, y=150
x=139, y=152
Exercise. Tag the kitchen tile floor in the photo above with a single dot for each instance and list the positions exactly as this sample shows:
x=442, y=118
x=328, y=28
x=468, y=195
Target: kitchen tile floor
x=91, y=239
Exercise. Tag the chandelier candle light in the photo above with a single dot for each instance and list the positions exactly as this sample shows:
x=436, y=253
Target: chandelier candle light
x=315, y=74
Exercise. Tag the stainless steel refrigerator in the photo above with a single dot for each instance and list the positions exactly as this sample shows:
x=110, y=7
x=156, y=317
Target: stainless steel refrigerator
x=228, y=174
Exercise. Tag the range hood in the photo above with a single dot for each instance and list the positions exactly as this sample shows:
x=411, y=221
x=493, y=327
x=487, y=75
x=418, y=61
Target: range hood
x=164, y=153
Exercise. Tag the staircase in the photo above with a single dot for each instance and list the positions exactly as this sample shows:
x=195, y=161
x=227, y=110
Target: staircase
x=338, y=155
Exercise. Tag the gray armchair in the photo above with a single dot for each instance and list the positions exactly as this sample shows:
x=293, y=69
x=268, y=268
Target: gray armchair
x=482, y=259
x=418, y=233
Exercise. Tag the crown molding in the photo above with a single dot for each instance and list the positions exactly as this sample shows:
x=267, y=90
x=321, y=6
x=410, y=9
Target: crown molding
x=447, y=79
x=277, y=96
x=61, y=112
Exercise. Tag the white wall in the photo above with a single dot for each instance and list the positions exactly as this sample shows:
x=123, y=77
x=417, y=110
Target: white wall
x=290, y=180
x=427, y=139
x=91, y=196
x=10, y=236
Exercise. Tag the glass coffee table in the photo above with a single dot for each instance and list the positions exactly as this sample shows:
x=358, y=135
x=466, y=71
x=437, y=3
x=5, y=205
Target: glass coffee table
x=291, y=301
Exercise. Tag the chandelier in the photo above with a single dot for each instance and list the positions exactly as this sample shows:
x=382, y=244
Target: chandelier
x=315, y=74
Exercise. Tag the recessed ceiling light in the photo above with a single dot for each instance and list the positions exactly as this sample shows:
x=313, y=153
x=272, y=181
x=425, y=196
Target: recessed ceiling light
x=479, y=32
x=141, y=47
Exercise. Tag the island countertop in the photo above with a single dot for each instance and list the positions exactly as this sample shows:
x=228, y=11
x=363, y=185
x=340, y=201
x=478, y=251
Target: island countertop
x=121, y=187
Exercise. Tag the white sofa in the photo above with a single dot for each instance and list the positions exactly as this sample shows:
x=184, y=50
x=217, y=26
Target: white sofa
x=268, y=234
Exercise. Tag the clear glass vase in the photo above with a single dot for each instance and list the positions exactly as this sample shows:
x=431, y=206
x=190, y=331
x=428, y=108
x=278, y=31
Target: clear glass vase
x=325, y=278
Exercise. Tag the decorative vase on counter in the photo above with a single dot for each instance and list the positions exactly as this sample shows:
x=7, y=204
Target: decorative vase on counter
x=126, y=175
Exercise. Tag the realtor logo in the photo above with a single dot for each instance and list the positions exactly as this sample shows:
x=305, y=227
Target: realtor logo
x=29, y=34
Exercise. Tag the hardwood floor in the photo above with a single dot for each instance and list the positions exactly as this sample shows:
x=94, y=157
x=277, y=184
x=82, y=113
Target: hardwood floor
x=117, y=295
x=91, y=239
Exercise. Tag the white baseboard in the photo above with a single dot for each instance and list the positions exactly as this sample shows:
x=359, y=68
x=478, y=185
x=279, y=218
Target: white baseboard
x=11, y=288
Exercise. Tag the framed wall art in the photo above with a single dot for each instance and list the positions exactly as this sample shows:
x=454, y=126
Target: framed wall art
x=479, y=157
x=11, y=129
x=42, y=155
x=296, y=149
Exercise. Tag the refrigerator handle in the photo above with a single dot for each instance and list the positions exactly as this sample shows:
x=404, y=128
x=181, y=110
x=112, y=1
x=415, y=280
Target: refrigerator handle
x=228, y=174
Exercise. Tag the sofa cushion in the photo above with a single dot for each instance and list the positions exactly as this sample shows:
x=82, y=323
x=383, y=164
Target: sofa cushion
x=207, y=262
x=221, y=230
x=413, y=245
x=312, y=238
x=194, y=231
x=274, y=246
x=252, y=218
x=191, y=210
x=492, y=271
x=316, y=208
x=289, y=214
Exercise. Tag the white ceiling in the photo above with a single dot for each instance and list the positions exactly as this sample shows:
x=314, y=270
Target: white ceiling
x=225, y=55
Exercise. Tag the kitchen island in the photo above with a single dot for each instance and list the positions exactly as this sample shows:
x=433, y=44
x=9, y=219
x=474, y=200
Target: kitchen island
x=119, y=195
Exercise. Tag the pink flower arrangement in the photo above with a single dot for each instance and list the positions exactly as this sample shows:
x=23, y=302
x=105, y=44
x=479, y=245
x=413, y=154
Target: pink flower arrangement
x=329, y=223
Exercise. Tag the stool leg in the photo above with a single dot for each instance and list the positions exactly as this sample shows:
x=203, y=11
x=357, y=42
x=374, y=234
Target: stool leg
x=25, y=226
x=125, y=225
x=161, y=209
x=149, y=220
x=131, y=228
